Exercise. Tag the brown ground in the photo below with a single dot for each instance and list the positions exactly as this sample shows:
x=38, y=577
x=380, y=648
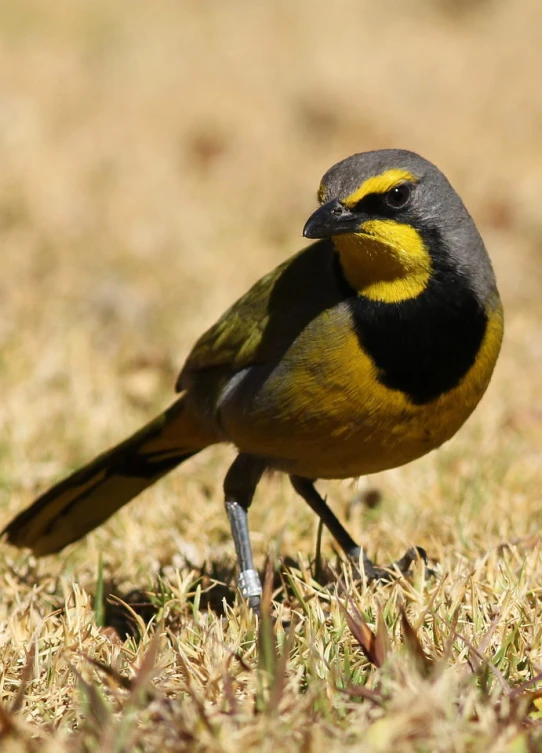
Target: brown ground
x=155, y=159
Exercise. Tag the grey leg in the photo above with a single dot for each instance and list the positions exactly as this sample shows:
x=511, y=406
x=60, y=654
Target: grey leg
x=239, y=486
x=305, y=488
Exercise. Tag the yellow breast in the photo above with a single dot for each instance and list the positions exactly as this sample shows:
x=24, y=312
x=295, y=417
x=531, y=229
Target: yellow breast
x=322, y=413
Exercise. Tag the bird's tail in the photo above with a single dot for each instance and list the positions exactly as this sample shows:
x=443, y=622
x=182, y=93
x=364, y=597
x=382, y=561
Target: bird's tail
x=84, y=500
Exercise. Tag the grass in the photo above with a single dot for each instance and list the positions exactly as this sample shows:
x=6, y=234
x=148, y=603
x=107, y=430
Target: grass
x=156, y=159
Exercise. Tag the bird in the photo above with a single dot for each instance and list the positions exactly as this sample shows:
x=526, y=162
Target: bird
x=364, y=351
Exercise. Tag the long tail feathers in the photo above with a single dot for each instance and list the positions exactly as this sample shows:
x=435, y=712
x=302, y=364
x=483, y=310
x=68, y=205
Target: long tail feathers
x=84, y=500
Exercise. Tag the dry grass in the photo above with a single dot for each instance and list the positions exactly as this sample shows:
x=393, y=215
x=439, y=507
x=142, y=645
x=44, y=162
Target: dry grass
x=156, y=158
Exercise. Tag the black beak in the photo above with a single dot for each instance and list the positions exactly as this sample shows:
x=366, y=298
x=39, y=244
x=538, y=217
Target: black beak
x=330, y=219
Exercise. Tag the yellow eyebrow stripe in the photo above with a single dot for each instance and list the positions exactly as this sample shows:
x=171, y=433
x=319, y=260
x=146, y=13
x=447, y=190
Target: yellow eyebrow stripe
x=379, y=184
x=321, y=195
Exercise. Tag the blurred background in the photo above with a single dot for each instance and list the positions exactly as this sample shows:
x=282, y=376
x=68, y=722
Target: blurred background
x=157, y=158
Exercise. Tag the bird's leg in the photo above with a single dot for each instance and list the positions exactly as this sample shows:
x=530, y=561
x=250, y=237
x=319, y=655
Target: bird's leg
x=305, y=488
x=239, y=486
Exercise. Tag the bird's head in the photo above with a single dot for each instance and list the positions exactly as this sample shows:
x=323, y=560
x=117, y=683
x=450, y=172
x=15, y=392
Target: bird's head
x=392, y=215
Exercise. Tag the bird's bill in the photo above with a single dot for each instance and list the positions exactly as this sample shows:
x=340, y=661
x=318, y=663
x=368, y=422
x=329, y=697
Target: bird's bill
x=332, y=218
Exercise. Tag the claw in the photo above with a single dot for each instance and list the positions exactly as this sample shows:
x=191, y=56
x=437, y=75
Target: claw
x=386, y=574
x=410, y=556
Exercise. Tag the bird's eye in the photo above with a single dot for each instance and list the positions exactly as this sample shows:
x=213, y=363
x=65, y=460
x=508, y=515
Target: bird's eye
x=399, y=196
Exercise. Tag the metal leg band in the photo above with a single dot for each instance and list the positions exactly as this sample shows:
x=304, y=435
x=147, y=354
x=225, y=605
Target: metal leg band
x=249, y=583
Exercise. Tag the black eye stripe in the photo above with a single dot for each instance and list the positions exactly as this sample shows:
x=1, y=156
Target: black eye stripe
x=386, y=203
x=369, y=203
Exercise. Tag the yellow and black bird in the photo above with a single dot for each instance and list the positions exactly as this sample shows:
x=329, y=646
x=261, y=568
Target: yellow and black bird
x=364, y=351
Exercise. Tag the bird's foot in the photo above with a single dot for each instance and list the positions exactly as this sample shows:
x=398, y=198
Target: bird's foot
x=372, y=572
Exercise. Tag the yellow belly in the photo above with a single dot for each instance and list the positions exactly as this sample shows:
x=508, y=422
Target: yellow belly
x=322, y=413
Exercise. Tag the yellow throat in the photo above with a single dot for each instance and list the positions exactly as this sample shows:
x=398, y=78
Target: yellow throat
x=386, y=261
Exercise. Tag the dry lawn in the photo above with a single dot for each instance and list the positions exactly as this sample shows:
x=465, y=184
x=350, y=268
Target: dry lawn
x=155, y=159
